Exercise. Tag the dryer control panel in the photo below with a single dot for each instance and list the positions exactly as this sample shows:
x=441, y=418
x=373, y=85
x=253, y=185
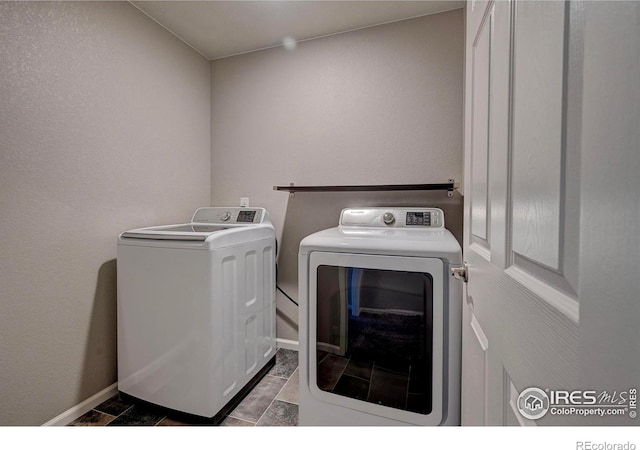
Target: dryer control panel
x=392, y=217
x=229, y=215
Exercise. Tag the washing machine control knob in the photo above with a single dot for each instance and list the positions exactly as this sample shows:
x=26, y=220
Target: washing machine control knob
x=388, y=218
x=226, y=216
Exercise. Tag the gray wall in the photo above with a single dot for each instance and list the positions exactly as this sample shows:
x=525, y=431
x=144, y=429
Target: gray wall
x=104, y=126
x=381, y=105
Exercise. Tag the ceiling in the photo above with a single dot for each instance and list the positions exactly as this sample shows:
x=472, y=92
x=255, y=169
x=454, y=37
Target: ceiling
x=217, y=29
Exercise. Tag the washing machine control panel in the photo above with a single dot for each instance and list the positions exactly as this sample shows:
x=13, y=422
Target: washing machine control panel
x=229, y=215
x=418, y=218
x=393, y=217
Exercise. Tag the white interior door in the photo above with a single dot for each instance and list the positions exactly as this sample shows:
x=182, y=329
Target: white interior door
x=552, y=157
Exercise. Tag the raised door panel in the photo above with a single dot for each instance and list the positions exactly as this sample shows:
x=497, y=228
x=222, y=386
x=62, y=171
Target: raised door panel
x=481, y=71
x=474, y=370
x=545, y=163
x=499, y=103
x=537, y=150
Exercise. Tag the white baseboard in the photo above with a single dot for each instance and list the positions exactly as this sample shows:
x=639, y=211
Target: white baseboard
x=286, y=343
x=77, y=411
x=81, y=408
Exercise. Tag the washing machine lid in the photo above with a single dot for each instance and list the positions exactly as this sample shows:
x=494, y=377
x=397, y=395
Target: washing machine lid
x=183, y=232
x=207, y=224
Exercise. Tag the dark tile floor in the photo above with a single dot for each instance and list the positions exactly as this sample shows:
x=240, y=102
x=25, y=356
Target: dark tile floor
x=398, y=384
x=273, y=402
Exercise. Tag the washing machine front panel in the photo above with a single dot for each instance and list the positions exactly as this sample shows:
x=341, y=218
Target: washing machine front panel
x=376, y=335
x=165, y=326
x=194, y=325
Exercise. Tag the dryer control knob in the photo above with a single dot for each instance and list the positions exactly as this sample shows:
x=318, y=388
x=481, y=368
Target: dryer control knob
x=226, y=216
x=388, y=218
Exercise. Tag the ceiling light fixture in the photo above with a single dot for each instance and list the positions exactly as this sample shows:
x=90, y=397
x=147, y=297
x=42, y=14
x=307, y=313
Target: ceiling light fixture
x=289, y=43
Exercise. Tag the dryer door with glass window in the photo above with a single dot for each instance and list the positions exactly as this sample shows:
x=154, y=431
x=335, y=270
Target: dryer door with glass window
x=376, y=334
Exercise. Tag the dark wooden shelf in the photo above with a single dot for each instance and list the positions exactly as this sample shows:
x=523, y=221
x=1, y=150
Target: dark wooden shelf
x=369, y=187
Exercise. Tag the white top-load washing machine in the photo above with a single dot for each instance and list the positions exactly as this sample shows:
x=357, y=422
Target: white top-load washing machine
x=380, y=320
x=196, y=310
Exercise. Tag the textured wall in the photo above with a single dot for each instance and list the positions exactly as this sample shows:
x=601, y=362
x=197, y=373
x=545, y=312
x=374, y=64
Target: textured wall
x=104, y=126
x=381, y=105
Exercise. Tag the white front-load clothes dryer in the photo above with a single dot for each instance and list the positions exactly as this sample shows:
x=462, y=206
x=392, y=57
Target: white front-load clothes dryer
x=380, y=320
x=196, y=310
